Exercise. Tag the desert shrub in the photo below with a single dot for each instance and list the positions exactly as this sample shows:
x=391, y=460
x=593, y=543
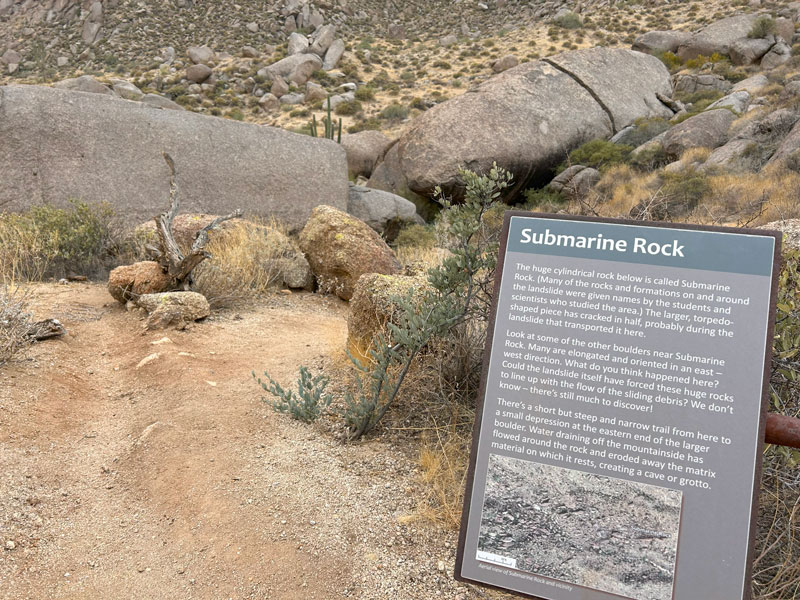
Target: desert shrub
x=544, y=200
x=762, y=27
x=246, y=261
x=650, y=158
x=14, y=322
x=419, y=104
x=52, y=241
x=569, y=20
x=365, y=93
x=309, y=402
x=777, y=566
x=348, y=108
x=458, y=297
x=395, y=112
x=646, y=129
x=416, y=236
x=364, y=125
x=598, y=154
x=700, y=60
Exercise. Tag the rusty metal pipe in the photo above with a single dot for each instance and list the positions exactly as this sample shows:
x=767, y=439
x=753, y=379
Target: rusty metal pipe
x=782, y=430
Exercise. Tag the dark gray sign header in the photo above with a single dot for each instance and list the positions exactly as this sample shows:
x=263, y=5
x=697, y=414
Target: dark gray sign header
x=661, y=246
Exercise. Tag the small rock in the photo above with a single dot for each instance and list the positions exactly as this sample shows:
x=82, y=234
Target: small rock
x=10, y=545
x=249, y=52
x=252, y=27
x=198, y=73
x=147, y=359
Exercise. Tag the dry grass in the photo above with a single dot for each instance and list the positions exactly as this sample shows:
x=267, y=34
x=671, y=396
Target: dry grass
x=247, y=261
x=443, y=461
x=25, y=253
x=14, y=322
x=751, y=198
x=776, y=569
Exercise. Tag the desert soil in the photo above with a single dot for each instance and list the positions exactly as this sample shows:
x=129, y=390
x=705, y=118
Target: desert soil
x=171, y=478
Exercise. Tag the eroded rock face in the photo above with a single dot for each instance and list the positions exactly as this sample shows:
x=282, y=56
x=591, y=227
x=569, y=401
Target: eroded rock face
x=59, y=144
x=340, y=249
x=526, y=118
x=129, y=282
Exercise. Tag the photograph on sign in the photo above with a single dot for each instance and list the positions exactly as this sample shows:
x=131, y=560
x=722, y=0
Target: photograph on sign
x=617, y=446
x=601, y=532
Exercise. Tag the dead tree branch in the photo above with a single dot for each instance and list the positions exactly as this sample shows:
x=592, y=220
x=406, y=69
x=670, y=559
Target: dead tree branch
x=174, y=263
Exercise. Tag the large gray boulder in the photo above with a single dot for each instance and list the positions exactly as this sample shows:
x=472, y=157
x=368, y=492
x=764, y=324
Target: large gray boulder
x=58, y=145
x=364, y=149
x=285, y=66
x=779, y=54
x=654, y=42
x=707, y=130
x=747, y=51
x=717, y=37
x=703, y=82
x=84, y=83
x=385, y=212
x=528, y=117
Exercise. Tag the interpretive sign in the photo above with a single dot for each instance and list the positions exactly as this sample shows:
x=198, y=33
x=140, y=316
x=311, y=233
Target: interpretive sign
x=618, y=441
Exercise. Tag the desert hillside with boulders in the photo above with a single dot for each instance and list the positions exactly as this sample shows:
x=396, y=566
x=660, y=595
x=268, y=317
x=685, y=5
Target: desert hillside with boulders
x=247, y=256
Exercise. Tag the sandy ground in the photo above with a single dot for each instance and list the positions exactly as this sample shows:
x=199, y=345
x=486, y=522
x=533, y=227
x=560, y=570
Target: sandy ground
x=173, y=479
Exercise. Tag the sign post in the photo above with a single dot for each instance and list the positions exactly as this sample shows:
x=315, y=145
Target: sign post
x=618, y=439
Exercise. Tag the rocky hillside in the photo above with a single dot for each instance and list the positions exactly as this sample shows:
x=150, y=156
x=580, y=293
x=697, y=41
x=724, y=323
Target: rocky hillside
x=411, y=55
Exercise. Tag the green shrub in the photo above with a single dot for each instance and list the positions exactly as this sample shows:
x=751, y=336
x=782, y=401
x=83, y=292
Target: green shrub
x=395, y=112
x=544, y=200
x=416, y=236
x=365, y=124
x=650, y=158
x=569, y=20
x=309, y=402
x=442, y=64
x=762, y=27
x=598, y=154
x=419, y=104
x=365, y=93
x=51, y=241
x=236, y=114
x=670, y=59
x=347, y=108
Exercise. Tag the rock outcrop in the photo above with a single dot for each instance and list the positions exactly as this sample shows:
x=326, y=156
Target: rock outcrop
x=105, y=149
x=527, y=118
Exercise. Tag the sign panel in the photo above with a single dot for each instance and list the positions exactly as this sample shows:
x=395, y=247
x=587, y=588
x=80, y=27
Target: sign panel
x=617, y=447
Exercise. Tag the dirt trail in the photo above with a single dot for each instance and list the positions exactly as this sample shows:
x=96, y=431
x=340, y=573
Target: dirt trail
x=172, y=479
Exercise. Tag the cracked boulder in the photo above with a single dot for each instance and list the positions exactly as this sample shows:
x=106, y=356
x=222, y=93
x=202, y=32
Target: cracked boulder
x=528, y=118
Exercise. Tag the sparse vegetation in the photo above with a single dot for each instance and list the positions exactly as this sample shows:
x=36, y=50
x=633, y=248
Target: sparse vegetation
x=762, y=27
x=53, y=241
x=307, y=404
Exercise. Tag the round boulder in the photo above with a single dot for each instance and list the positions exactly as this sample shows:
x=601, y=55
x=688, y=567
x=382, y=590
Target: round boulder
x=132, y=281
x=707, y=130
x=173, y=308
x=340, y=249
